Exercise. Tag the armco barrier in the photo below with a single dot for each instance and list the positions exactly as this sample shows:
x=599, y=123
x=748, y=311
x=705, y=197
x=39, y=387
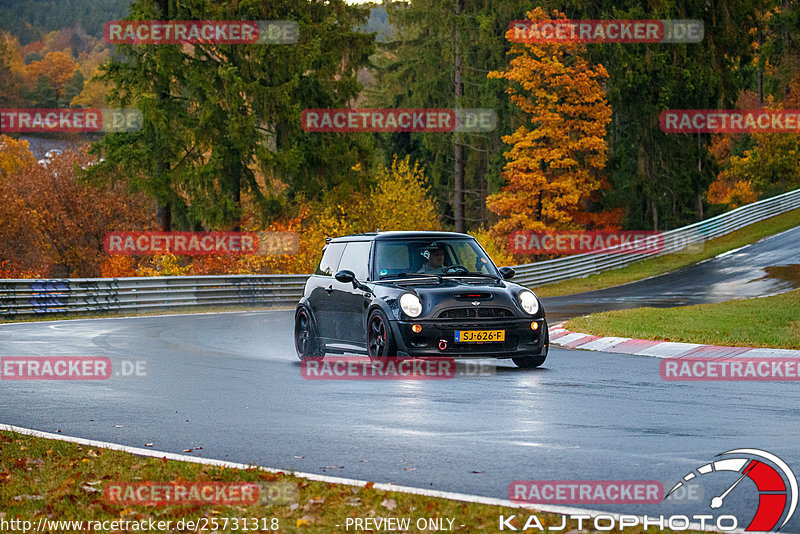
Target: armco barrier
x=80, y=295
x=21, y=297
x=580, y=265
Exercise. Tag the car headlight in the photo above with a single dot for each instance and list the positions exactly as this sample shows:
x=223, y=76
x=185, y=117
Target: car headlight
x=410, y=304
x=529, y=302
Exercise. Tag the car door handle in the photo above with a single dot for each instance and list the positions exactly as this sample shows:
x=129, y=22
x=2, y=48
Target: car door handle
x=329, y=289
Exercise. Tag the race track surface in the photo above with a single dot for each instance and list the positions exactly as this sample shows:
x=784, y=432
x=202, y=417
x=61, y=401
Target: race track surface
x=231, y=384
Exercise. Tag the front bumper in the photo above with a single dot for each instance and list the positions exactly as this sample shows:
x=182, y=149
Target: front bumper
x=520, y=339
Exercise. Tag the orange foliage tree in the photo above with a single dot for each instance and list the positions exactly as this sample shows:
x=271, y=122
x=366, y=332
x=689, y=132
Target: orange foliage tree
x=53, y=224
x=57, y=66
x=556, y=162
x=94, y=91
x=770, y=163
x=11, y=65
x=14, y=156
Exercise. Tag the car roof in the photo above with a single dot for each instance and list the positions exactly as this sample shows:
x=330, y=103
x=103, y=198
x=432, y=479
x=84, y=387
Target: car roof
x=381, y=236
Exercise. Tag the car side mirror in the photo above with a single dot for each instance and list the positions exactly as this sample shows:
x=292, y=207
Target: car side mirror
x=507, y=273
x=346, y=277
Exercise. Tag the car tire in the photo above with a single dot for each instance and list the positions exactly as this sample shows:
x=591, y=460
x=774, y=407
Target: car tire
x=380, y=341
x=306, y=342
x=532, y=362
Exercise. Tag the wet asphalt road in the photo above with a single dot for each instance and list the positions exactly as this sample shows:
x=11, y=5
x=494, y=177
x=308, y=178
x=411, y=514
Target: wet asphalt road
x=231, y=383
x=767, y=267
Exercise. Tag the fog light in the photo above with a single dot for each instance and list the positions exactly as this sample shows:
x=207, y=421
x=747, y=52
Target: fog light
x=534, y=326
x=442, y=344
x=417, y=328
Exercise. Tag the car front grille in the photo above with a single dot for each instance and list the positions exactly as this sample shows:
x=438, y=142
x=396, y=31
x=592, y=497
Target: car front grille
x=475, y=313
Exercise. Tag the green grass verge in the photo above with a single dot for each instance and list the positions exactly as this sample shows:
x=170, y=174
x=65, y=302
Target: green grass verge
x=671, y=262
x=760, y=322
x=64, y=481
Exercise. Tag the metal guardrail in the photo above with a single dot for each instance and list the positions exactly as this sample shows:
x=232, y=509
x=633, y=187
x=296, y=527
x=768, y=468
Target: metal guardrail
x=81, y=295
x=24, y=297
x=581, y=265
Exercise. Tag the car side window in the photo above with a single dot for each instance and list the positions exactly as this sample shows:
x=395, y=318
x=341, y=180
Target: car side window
x=468, y=256
x=329, y=264
x=356, y=259
x=392, y=258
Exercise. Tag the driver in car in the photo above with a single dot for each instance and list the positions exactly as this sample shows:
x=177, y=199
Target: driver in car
x=434, y=254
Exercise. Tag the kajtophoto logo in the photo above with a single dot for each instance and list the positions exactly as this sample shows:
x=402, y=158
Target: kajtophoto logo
x=771, y=496
x=774, y=481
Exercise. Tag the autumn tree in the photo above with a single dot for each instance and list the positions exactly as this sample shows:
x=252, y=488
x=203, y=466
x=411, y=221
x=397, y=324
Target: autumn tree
x=10, y=71
x=52, y=223
x=57, y=67
x=556, y=161
x=400, y=200
x=93, y=91
x=415, y=68
x=759, y=164
x=218, y=115
x=14, y=156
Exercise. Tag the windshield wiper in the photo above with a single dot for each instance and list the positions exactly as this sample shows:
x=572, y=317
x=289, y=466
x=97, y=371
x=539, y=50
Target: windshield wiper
x=405, y=275
x=482, y=275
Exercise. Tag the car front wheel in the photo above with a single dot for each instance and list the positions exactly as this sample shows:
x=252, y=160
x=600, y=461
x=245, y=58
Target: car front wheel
x=306, y=341
x=380, y=343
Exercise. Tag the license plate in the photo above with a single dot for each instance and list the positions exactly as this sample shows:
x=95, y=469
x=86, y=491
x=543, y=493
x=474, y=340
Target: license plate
x=480, y=336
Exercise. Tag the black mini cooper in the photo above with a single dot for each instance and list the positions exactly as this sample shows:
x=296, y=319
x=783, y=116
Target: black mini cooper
x=416, y=295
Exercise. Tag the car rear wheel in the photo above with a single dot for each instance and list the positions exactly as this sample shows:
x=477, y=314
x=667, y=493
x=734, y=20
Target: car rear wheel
x=380, y=343
x=532, y=362
x=306, y=341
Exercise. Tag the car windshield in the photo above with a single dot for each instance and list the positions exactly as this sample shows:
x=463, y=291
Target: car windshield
x=427, y=256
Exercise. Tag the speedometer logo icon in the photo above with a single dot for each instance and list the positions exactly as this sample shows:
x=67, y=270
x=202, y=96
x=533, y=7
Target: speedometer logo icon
x=776, y=483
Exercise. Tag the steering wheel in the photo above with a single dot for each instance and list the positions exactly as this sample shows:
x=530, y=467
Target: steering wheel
x=455, y=269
